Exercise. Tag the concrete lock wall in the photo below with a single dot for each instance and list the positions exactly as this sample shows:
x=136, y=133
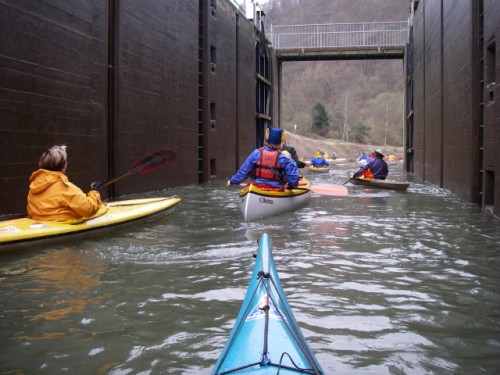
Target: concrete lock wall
x=456, y=132
x=490, y=93
x=115, y=80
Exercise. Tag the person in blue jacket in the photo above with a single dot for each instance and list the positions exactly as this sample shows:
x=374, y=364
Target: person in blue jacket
x=267, y=165
x=319, y=161
x=363, y=157
x=376, y=168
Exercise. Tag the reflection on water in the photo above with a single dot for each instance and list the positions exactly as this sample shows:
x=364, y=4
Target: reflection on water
x=381, y=282
x=51, y=275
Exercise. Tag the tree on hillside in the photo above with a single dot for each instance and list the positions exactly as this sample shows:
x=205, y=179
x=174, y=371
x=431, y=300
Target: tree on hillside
x=337, y=124
x=358, y=91
x=320, y=120
x=360, y=132
x=348, y=109
x=385, y=113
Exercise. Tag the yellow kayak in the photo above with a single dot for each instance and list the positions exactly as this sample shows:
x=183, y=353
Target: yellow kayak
x=325, y=169
x=20, y=233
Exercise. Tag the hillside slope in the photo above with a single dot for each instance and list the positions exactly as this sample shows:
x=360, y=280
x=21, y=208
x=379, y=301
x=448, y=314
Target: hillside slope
x=354, y=93
x=306, y=147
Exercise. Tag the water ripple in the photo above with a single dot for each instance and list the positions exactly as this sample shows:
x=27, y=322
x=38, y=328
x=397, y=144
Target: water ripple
x=381, y=282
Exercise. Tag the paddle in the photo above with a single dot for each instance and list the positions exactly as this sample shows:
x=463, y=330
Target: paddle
x=146, y=164
x=331, y=190
x=350, y=176
x=347, y=181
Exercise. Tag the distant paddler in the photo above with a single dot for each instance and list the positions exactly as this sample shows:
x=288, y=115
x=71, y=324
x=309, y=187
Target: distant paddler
x=392, y=158
x=319, y=161
x=375, y=168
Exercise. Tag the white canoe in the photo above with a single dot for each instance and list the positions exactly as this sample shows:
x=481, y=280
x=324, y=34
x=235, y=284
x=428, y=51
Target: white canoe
x=256, y=203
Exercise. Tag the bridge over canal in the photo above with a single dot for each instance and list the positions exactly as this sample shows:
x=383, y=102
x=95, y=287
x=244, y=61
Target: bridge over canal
x=340, y=41
x=335, y=41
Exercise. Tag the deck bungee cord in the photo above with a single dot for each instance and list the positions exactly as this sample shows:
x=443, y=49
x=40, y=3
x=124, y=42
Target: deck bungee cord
x=266, y=338
x=139, y=201
x=297, y=338
x=266, y=281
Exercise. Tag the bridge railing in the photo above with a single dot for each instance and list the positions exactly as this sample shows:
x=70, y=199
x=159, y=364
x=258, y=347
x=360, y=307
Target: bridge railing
x=340, y=35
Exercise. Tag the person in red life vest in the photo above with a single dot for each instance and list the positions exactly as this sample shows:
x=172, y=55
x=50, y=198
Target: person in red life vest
x=52, y=197
x=375, y=168
x=267, y=165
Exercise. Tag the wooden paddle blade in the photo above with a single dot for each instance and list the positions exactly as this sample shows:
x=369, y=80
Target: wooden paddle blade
x=332, y=190
x=154, y=160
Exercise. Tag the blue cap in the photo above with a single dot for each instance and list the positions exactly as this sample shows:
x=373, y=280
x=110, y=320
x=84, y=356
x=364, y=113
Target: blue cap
x=274, y=136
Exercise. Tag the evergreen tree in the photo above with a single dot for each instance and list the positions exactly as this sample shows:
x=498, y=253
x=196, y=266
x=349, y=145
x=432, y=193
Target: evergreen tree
x=360, y=90
x=360, y=132
x=320, y=120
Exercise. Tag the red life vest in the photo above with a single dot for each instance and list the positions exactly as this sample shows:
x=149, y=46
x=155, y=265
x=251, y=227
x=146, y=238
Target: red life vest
x=268, y=166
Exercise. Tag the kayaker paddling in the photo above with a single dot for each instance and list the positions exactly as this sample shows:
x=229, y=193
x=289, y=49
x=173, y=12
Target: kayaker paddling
x=267, y=165
x=52, y=197
x=24, y=233
x=319, y=161
x=51, y=193
x=375, y=168
x=273, y=180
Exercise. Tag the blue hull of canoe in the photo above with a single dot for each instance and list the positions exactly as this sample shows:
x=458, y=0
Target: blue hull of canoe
x=266, y=338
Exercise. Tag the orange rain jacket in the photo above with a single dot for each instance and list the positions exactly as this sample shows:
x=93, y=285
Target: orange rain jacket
x=53, y=198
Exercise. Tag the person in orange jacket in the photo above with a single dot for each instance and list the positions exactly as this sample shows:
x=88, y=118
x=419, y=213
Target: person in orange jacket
x=52, y=197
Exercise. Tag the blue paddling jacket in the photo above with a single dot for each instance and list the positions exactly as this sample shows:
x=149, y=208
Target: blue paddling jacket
x=319, y=162
x=287, y=169
x=377, y=167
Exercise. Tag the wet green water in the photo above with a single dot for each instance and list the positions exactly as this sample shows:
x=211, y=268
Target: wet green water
x=381, y=282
